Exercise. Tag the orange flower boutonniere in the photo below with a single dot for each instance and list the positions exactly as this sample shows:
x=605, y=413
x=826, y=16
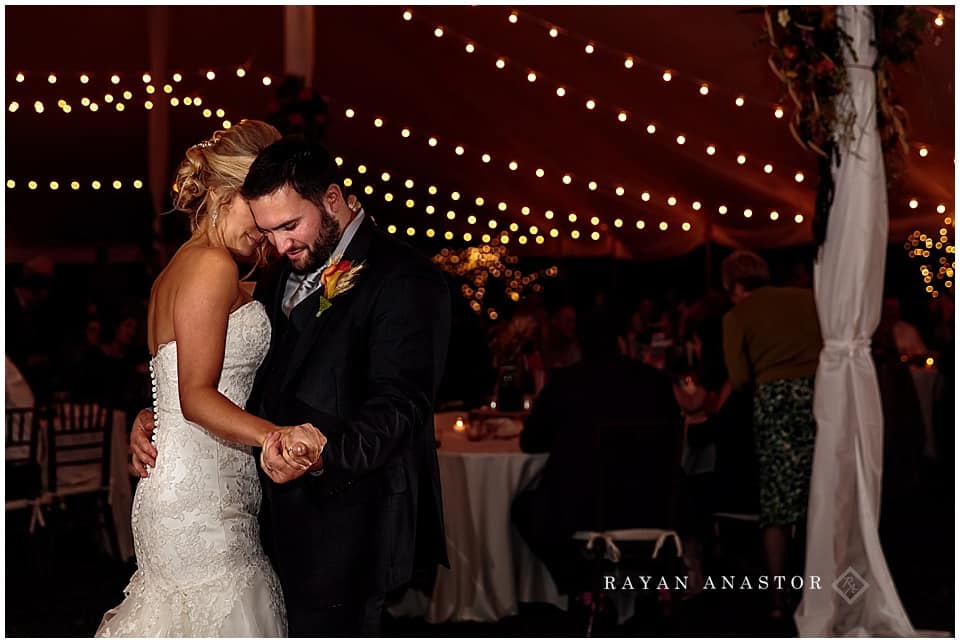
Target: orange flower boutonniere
x=337, y=279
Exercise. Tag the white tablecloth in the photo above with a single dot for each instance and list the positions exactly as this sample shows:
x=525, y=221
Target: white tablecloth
x=491, y=567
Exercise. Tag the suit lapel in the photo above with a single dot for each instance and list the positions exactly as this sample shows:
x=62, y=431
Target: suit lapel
x=356, y=252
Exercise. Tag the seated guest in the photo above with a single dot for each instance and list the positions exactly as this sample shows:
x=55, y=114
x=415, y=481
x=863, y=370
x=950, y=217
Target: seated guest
x=604, y=388
x=31, y=323
x=560, y=348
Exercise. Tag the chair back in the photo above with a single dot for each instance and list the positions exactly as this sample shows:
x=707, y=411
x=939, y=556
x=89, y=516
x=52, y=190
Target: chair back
x=23, y=479
x=79, y=446
x=637, y=473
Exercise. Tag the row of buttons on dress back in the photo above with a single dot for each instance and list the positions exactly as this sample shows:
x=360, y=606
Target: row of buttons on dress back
x=156, y=419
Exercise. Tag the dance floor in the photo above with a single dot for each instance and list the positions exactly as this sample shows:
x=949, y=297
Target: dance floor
x=59, y=582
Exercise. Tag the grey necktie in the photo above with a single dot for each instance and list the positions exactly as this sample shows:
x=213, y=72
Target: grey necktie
x=304, y=290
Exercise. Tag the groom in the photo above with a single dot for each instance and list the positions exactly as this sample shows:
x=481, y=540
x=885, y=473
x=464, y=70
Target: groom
x=361, y=324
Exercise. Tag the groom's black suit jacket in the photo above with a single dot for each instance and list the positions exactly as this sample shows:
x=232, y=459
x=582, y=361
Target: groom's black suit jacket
x=365, y=372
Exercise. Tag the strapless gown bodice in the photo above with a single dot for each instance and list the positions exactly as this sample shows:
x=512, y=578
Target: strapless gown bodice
x=201, y=567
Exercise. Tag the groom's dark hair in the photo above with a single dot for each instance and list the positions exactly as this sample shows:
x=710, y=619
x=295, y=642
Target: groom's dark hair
x=304, y=165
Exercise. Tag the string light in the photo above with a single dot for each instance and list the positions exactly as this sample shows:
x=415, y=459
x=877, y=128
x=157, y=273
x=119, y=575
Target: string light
x=667, y=76
x=540, y=172
x=924, y=151
x=798, y=177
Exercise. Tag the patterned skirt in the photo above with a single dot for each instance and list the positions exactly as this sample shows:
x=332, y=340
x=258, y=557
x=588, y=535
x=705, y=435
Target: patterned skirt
x=784, y=433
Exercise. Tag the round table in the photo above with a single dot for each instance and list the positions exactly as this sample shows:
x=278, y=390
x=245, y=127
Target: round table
x=491, y=568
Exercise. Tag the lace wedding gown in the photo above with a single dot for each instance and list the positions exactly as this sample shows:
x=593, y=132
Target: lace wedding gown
x=202, y=571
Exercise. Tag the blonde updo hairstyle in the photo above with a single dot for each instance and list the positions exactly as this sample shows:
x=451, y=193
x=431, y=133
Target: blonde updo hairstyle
x=212, y=171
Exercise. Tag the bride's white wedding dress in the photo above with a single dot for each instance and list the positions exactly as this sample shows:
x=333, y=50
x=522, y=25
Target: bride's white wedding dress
x=201, y=568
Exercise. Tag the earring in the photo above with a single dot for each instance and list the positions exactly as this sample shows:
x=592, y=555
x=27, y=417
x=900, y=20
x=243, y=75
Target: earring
x=213, y=217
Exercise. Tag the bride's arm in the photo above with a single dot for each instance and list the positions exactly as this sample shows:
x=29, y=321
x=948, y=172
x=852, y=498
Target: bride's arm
x=201, y=310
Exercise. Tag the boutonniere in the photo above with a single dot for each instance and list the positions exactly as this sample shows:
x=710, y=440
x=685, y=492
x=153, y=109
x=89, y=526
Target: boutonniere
x=337, y=279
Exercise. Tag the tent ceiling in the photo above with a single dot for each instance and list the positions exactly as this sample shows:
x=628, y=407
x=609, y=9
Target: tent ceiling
x=371, y=60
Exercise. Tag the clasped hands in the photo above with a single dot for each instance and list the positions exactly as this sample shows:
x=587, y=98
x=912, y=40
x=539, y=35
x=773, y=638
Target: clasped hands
x=287, y=453
x=292, y=451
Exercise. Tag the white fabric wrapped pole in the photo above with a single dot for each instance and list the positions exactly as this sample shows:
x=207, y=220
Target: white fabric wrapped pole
x=844, y=503
x=298, y=46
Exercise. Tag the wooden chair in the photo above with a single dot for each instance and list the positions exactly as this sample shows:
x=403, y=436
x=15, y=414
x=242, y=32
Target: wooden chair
x=636, y=466
x=24, y=486
x=78, y=453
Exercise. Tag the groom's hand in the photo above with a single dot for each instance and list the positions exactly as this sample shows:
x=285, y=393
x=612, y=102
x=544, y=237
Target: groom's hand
x=289, y=453
x=143, y=453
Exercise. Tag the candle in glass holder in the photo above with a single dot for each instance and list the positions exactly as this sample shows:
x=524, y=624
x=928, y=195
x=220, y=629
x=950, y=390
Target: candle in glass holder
x=459, y=425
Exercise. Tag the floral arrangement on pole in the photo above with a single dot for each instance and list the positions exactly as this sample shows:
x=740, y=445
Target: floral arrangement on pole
x=807, y=57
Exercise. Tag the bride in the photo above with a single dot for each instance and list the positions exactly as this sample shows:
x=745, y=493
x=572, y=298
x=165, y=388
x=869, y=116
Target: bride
x=202, y=571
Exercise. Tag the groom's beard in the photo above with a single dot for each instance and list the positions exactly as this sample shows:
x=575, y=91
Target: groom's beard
x=319, y=251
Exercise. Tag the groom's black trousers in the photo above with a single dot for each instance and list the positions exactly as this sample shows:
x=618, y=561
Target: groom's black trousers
x=361, y=618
